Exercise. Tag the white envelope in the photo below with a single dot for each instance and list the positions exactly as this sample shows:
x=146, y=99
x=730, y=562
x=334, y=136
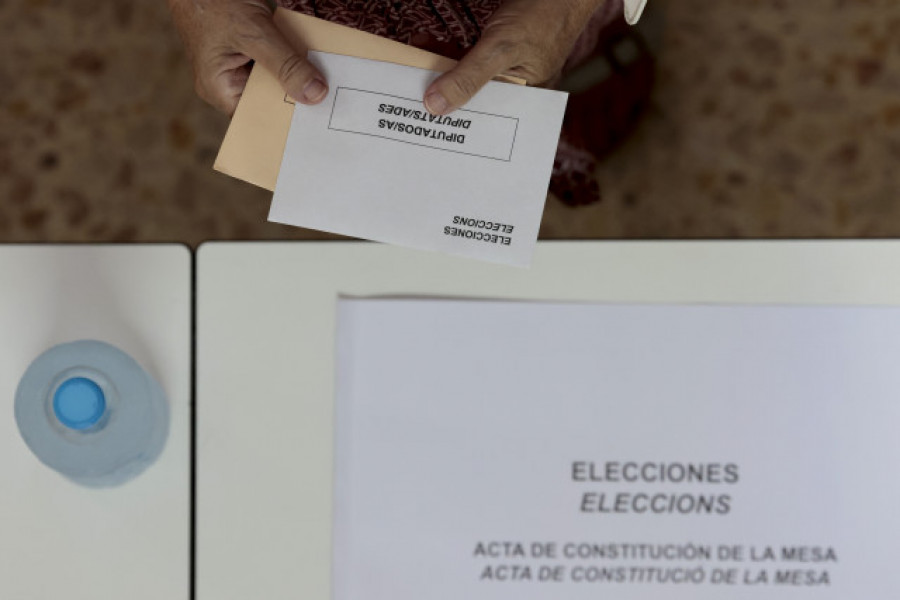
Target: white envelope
x=371, y=162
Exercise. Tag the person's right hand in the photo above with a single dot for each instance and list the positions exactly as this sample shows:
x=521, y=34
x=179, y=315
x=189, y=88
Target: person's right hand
x=222, y=38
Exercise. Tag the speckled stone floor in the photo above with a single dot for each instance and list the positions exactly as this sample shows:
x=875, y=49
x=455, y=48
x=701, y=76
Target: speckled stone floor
x=770, y=118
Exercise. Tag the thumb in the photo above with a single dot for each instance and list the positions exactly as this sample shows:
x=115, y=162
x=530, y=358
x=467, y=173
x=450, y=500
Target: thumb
x=300, y=79
x=490, y=57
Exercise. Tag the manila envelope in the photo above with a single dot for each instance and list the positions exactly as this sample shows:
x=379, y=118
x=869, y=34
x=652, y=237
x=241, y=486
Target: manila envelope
x=255, y=140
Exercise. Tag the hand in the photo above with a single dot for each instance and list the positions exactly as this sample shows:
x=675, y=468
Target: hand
x=529, y=39
x=223, y=37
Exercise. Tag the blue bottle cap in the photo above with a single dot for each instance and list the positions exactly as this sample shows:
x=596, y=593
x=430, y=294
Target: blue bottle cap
x=79, y=403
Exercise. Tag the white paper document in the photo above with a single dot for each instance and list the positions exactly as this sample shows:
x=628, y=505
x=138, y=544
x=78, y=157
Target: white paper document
x=371, y=162
x=529, y=451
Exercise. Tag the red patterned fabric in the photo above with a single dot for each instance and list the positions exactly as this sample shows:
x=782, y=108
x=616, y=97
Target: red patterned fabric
x=446, y=27
x=450, y=28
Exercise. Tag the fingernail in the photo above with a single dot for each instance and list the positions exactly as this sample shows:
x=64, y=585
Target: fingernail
x=436, y=103
x=314, y=91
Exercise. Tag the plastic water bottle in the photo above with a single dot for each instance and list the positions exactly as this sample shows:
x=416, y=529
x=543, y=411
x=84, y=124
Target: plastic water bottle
x=89, y=411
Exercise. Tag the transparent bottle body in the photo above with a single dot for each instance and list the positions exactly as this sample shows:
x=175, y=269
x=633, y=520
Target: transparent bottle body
x=99, y=450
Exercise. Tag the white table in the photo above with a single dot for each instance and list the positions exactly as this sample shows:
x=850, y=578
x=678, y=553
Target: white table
x=265, y=363
x=58, y=539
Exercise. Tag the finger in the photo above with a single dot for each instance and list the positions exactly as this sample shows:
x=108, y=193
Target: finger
x=236, y=82
x=218, y=96
x=223, y=91
x=491, y=56
x=299, y=78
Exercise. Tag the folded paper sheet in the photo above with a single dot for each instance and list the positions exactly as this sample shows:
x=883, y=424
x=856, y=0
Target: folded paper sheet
x=515, y=450
x=371, y=162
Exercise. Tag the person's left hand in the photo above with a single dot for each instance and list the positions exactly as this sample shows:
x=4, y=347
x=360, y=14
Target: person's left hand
x=529, y=39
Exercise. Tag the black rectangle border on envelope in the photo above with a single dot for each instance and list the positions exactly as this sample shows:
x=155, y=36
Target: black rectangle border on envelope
x=461, y=110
